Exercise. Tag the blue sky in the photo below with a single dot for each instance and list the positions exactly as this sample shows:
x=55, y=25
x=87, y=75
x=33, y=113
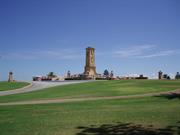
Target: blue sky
x=130, y=36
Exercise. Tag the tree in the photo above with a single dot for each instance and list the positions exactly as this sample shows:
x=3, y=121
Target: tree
x=111, y=74
x=106, y=73
x=165, y=76
x=51, y=75
x=68, y=74
x=168, y=77
x=177, y=76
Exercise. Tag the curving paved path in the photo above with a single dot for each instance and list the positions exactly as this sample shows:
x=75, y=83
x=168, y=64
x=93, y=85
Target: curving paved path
x=48, y=101
x=34, y=86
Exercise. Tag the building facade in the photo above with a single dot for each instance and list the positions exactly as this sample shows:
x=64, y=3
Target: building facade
x=90, y=67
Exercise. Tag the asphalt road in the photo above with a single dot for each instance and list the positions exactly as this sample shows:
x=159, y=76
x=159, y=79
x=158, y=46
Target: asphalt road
x=39, y=86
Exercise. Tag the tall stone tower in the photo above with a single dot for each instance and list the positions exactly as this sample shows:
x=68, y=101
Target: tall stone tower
x=90, y=68
x=10, y=77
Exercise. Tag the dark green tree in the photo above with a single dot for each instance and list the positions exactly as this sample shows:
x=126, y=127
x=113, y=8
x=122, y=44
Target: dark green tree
x=111, y=74
x=168, y=77
x=165, y=76
x=177, y=75
x=51, y=75
x=106, y=73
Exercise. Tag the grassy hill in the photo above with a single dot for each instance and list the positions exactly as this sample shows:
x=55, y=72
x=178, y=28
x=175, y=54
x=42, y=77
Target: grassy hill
x=64, y=119
x=97, y=89
x=12, y=85
x=141, y=116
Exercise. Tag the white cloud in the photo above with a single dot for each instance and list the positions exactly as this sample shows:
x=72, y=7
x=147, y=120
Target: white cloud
x=133, y=51
x=64, y=54
x=142, y=51
x=158, y=54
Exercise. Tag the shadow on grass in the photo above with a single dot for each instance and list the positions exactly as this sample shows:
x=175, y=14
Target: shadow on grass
x=170, y=96
x=128, y=129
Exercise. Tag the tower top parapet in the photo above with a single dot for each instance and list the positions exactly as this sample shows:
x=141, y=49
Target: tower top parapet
x=90, y=48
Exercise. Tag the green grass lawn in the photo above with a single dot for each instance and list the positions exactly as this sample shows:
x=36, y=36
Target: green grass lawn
x=97, y=89
x=12, y=85
x=64, y=119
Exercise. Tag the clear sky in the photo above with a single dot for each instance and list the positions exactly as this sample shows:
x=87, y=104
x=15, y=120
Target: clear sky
x=130, y=36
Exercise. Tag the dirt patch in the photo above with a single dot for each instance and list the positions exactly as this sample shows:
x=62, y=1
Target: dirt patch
x=48, y=101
